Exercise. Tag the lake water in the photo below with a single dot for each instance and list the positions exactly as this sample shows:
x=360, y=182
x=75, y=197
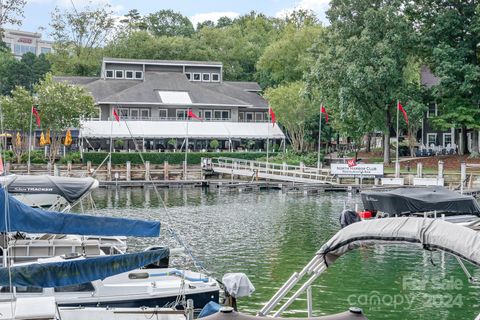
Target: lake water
x=269, y=235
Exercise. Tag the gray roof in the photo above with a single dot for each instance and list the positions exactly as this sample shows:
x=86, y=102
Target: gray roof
x=134, y=91
x=167, y=62
x=245, y=85
x=76, y=80
x=427, y=78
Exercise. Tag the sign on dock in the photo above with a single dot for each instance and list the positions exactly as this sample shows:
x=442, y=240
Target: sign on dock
x=363, y=170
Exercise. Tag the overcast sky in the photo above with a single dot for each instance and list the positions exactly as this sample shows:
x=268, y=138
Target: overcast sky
x=37, y=12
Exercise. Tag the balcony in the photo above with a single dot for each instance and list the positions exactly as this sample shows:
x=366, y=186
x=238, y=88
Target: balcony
x=124, y=118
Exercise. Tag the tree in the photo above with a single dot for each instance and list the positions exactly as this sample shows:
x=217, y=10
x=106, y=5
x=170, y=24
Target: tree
x=293, y=111
x=214, y=144
x=133, y=21
x=450, y=40
x=169, y=23
x=223, y=22
x=10, y=13
x=16, y=110
x=78, y=32
x=205, y=24
x=361, y=70
x=61, y=106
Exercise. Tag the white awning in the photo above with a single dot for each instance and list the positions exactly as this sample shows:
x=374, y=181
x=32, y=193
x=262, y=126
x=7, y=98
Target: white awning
x=175, y=97
x=178, y=129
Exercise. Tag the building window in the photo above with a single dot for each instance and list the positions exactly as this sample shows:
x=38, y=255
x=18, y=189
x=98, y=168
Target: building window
x=215, y=77
x=129, y=74
x=181, y=114
x=163, y=113
x=447, y=139
x=123, y=113
x=109, y=74
x=259, y=116
x=20, y=49
x=248, y=116
x=97, y=114
x=145, y=114
x=197, y=77
x=138, y=75
x=432, y=111
x=118, y=74
x=45, y=50
x=134, y=113
x=241, y=116
x=221, y=114
x=432, y=139
x=188, y=75
x=206, y=77
x=207, y=114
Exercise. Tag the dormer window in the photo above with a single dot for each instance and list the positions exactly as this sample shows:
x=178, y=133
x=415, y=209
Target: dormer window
x=197, y=77
x=206, y=77
x=128, y=74
x=215, y=77
x=138, y=75
x=188, y=75
x=118, y=74
x=109, y=74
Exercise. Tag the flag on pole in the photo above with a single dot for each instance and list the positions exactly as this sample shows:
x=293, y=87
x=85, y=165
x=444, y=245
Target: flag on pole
x=322, y=110
x=272, y=115
x=115, y=114
x=1, y=164
x=68, y=138
x=351, y=163
x=190, y=114
x=37, y=116
x=402, y=110
x=42, y=140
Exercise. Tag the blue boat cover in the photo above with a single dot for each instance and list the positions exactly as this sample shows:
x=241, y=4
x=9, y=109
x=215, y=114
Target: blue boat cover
x=70, y=272
x=23, y=218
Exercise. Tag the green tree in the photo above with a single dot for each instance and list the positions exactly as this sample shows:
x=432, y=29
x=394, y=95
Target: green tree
x=11, y=12
x=169, y=23
x=293, y=111
x=133, y=21
x=223, y=22
x=360, y=72
x=61, y=106
x=450, y=39
x=205, y=24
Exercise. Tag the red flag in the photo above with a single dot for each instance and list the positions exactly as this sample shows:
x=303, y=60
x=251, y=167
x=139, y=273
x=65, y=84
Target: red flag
x=402, y=110
x=322, y=110
x=1, y=164
x=115, y=114
x=351, y=163
x=37, y=116
x=193, y=115
x=272, y=115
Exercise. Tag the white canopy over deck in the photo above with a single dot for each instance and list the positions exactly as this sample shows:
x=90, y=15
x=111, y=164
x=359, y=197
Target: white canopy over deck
x=178, y=129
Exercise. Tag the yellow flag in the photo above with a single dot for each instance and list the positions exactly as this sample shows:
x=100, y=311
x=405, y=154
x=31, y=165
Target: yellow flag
x=47, y=137
x=18, y=141
x=68, y=138
x=42, y=140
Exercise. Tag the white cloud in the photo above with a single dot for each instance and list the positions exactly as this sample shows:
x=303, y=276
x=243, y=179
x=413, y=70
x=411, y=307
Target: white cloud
x=213, y=16
x=79, y=4
x=317, y=6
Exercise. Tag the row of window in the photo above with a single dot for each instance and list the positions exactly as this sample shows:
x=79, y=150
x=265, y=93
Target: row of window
x=252, y=116
x=124, y=74
x=83, y=287
x=204, y=77
x=432, y=139
x=21, y=49
x=180, y=114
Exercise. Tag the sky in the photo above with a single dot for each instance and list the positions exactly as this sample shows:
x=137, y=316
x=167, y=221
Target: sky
x=37, y=12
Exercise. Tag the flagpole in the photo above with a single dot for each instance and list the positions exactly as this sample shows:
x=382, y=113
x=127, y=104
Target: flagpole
x=397, y=165
x=30, y=140
x=268, y=136
x=319, y=140
x=186, y=148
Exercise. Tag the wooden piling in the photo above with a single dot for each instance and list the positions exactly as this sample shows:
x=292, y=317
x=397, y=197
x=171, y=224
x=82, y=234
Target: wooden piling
x=165, y=170
x=129, y=171
x=56, y=172
x=69, y=168
x=147, y=170
x=419, y=169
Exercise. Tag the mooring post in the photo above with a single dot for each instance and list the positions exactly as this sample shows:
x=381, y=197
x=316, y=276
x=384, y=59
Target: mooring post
x=109, y=170
x=69, y=168
x=165, y=170
x=419, y=169
x=397, y=169
x=184, y=165
x=129, y=169
x=463, y=176
x=56, y=172
x=440, y=169
x=89, y=167
x=7, y=167
x=49, y=167
x=147, y=170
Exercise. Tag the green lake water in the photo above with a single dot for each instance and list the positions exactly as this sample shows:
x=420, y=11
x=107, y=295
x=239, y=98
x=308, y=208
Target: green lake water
x=270, y=235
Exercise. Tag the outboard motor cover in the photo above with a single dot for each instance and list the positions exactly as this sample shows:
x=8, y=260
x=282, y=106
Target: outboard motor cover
x=238, y=285
x=347, y=217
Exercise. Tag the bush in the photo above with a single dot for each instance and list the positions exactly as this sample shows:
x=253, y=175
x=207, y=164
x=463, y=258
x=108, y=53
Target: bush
x=74, y=157
x=309, y=159
x=171, y=157
x=214, y=144
x=36, y=156
x=119, y=144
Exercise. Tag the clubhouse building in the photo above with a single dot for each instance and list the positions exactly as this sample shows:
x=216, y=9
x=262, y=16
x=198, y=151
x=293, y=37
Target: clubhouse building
x=152, y=99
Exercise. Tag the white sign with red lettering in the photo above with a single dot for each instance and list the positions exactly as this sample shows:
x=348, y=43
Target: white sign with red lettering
x=360, y=169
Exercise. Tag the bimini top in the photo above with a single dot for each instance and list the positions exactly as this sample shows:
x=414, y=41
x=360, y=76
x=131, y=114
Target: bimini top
x=405, y=201
x=432, y=234
x=71, y=189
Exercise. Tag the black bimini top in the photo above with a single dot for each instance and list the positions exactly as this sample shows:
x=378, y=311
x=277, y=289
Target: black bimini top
x=405, y=201
x=71, y=189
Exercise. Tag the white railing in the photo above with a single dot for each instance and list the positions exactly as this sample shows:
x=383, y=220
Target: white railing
x=270, y=170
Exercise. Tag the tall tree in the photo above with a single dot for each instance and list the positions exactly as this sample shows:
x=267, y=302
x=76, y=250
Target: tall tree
x=11, y=12
x=169, y=23
x=133, y=21
x=450, y=40
x=361, y=72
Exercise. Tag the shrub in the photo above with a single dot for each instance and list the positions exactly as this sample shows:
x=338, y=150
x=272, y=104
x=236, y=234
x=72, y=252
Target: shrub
x=74, y=157
x=119, y=144
x=36, y=156
x=214, y=144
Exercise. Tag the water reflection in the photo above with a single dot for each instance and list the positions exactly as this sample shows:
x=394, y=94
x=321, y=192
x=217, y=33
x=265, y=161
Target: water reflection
x=269, y=235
